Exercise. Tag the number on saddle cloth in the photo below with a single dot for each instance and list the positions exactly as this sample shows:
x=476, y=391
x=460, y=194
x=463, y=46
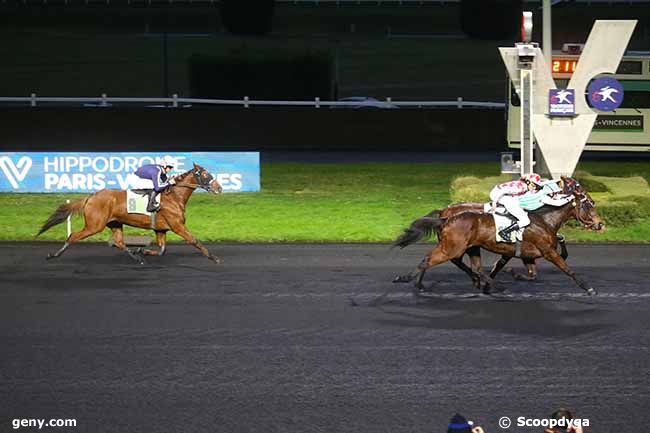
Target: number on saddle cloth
x=137, y=201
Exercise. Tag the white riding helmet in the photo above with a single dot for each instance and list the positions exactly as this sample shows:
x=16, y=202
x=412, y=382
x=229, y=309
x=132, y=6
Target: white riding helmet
x=534, y=178
x=167, y=161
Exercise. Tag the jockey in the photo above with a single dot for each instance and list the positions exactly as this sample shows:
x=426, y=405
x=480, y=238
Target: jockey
x=507, y=194
x=549, y=194
x=155, y=178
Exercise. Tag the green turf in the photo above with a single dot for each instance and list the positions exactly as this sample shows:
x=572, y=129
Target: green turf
x=323, y=203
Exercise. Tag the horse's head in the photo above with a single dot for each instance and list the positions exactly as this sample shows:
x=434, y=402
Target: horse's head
x=205, y=180
x=583, y=204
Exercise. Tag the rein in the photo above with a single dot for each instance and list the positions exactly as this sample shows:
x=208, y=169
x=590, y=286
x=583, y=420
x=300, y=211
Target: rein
x=187, y=185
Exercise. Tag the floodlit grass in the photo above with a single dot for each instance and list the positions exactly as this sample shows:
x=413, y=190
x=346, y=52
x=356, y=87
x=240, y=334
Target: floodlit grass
x=321, y=203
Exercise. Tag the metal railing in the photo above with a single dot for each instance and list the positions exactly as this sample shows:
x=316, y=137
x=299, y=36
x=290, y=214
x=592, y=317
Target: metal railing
x=246, y=102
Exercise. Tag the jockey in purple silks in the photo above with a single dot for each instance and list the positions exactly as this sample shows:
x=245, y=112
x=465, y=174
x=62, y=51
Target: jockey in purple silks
x=155, y=178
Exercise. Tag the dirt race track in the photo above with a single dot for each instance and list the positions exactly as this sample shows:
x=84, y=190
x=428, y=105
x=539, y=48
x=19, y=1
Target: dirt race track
x=316, y=338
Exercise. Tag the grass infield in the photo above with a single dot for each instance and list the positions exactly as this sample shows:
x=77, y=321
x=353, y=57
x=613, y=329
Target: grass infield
x=369, y=202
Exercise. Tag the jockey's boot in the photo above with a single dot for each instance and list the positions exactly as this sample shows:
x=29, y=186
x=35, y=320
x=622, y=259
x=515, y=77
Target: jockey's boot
x=152, y=206
x=505, y=233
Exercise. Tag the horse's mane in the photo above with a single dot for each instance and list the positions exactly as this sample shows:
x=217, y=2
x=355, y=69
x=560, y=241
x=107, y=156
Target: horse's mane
x=547, y=208
x=180, y=177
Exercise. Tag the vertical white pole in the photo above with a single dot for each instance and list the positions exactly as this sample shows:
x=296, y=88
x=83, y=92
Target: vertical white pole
x=547, y=40
x=526, y=77
x=69, y=222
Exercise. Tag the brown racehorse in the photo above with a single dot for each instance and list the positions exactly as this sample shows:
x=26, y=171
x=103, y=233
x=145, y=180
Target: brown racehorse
x=474, y=253
x=107, y=208
x=476, y=229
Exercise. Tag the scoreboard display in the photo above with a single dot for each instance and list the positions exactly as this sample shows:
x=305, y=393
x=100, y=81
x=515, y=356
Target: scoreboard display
x=565, y=66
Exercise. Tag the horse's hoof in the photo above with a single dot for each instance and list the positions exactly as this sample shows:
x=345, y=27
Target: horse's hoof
x=402, y=279
x=591, y=291
x=50, y=256
x=215, y=259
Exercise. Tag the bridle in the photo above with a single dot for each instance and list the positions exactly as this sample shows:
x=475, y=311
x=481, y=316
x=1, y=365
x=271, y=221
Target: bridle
x=201, y=181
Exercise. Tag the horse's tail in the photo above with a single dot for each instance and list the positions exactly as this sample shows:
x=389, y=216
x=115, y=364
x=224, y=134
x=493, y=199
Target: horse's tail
x=419, y=229
x=62, y=213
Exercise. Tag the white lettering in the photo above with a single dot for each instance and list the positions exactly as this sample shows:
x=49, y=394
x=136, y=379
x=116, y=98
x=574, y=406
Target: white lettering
x=51, y=180
x=71, y=162
x=84, y=163
x=64, y=182
x=54, y=164
x=99, y=182
x=40, y=423
x=116, y=164
x=123, y=181
x=235, y=178
x=100, y=160
x=130, y=164
x=146, y=160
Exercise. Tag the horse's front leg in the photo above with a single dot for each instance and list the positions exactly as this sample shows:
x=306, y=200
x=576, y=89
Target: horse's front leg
x=183, y=232
x=554, y=257
x=531, y=271
x=161, y=240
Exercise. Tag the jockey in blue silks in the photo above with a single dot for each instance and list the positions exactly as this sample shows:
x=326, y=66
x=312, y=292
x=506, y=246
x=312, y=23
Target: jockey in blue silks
x=155, y=178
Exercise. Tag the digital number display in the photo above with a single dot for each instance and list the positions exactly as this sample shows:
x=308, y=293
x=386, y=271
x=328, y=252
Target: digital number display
x=564, y=66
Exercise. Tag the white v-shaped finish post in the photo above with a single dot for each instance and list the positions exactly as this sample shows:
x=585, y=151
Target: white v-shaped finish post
x=562, y=139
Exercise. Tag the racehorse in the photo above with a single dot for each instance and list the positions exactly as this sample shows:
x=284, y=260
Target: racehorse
x=420, y=226
x=469, y=229
x=108, y=208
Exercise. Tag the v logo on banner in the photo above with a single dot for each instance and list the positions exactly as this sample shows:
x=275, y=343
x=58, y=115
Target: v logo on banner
x=15, y=173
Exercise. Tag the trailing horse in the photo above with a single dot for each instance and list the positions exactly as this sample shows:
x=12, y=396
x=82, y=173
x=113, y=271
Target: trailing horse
x=470, y=229
x=108, y=208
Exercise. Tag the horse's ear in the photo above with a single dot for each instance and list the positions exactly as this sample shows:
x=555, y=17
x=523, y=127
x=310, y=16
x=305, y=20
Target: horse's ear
x=195, y=166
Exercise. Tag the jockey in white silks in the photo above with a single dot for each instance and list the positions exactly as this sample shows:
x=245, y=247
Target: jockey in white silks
x=528, y=193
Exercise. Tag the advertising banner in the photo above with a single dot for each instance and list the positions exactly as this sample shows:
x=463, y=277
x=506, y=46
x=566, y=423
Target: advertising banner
x=89, y=172
x=561, y=102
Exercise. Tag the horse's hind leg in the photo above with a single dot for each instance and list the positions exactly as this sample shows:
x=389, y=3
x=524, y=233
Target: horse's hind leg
x=118, y=242
x=498, y=265
x=435, y=257
x=76, y=236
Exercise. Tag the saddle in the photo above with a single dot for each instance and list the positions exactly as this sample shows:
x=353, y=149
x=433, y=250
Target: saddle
x=503, y=219
x=140, y=191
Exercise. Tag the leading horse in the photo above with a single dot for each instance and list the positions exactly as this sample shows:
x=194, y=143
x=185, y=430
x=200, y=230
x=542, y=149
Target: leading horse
x=108, y=208
x=465, y=230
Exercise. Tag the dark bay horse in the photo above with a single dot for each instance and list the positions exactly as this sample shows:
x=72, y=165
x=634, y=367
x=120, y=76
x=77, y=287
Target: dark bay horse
x=420, y=226
x=464, y=230
x=107, y=208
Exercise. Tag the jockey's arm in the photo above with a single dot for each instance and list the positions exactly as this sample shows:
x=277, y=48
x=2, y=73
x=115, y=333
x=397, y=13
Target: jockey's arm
x=158, y=183
x=496, y=194
x=561, y=200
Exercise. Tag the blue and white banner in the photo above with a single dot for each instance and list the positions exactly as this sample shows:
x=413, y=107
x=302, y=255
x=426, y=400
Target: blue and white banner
x=90, y=172
x=561, y=102
x=605, y=93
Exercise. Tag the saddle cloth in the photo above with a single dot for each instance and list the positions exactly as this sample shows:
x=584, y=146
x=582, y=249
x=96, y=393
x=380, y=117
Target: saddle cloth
x=136, y=202
x=503, y=219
